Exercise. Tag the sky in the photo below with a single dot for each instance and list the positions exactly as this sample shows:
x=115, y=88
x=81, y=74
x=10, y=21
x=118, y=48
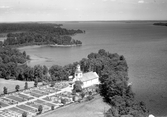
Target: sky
x=82, y=10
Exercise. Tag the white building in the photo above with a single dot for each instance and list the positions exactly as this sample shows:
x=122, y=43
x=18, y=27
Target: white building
x=88, y=79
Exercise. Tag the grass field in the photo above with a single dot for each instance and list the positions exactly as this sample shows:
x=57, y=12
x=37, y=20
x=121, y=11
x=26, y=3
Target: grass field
x=93, y=108
x=10, y=84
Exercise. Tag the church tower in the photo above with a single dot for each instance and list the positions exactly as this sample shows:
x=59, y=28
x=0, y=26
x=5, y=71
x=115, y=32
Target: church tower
x=78, y=73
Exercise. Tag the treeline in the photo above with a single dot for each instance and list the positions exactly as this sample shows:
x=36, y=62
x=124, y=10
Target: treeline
x=36, y=27
x=160, y=24
x=33, y=38
x=37, y=34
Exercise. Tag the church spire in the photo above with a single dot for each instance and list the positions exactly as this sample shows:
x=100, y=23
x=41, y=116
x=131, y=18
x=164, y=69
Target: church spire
x=78, y=72
x=78, y=69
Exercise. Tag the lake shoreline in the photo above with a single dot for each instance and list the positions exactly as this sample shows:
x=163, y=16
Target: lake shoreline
x=47, y=45
x=36, y=58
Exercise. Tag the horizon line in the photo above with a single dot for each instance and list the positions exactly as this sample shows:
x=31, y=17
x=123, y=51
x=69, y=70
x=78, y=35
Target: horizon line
x=82, y=21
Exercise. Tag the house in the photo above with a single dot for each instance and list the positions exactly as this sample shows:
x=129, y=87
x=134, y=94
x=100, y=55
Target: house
x=88, y=79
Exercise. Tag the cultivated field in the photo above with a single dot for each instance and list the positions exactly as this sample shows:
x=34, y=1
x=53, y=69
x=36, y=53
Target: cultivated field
x=10, y=84
x=93, y=108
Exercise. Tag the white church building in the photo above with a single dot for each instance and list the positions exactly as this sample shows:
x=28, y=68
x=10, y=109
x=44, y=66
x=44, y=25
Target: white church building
x=88, y=79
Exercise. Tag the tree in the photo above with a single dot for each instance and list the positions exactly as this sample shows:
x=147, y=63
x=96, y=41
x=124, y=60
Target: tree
x=5, y=90
x=92, y=56
x=52, y=84
x=84, y=65
x=90, y=97
x=82, y=94
x=19, y=73
x=52, y=107
x=56, y=73
x=78, y=86
x=28, y=57
x=90, y=92
x=1, y=60
x=102, y=52
x=38, y=72
x=40, y=109
x=17, y=88
x=29, y=74
x=36, y=82
x=1, y=43
x=6, y=59
x=45, y=70
x=63, y=101
x=24, y=54
x=112, y=112
x=24, y=114
x=26, y=85
x=69, y=69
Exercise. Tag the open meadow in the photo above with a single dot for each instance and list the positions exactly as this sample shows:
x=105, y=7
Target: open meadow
x=10, y=85
x=93, y=108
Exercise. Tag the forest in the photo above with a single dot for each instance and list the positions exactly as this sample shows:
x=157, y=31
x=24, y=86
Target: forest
x=22, y=34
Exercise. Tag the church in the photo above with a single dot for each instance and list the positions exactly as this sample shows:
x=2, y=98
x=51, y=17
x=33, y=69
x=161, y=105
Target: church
x=88, y=79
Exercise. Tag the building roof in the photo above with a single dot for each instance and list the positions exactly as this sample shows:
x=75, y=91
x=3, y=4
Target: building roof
x=89, y=76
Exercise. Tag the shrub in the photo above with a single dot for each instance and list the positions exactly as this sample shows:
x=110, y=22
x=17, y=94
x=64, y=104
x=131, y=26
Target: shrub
x=63, y=101
x=90, y=92
x=90, y=97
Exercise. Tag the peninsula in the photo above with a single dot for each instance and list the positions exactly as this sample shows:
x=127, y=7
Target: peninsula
x=101, y=73
x=27, y=34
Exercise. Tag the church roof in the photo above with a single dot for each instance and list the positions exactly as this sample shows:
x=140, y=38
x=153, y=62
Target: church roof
x=89, y=76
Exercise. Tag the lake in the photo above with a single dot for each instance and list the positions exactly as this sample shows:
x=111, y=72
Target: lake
x=143, y=45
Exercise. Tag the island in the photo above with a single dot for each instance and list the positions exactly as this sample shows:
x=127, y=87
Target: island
x=160, y=24
x=27, y=34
